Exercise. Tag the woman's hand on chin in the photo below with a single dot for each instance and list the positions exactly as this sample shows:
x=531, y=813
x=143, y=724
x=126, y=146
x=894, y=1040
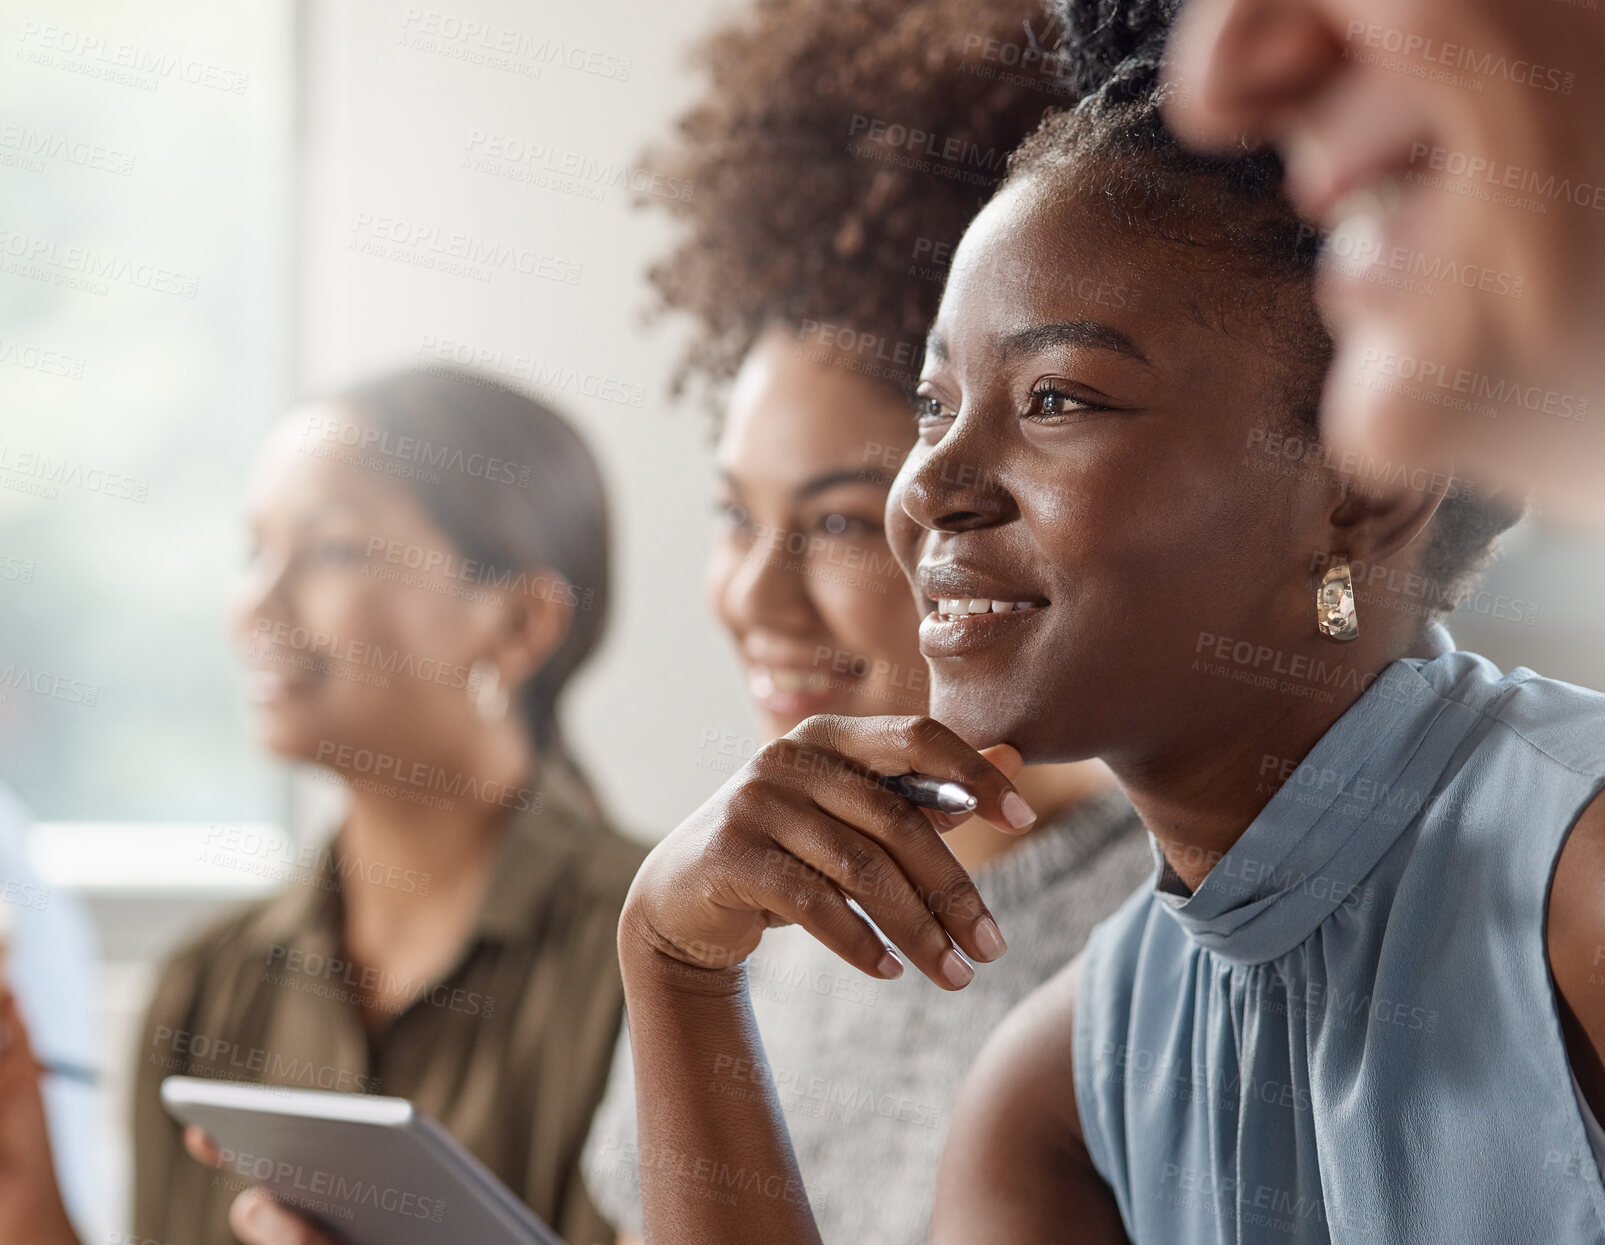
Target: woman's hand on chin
x=803, y=826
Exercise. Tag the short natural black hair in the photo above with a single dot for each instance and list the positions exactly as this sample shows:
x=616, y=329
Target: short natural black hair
x=1114, y=146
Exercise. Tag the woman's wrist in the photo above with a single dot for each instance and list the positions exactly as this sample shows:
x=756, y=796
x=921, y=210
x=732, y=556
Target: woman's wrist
x=650, y=963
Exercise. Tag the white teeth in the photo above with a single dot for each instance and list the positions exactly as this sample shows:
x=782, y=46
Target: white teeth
x=951, y=608
x=1358, y=223
x=1357, y=219
x=800, y=680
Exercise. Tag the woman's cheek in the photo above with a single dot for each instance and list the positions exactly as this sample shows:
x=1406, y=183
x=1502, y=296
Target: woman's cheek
x=903, y=534
x=874, y=637
x=717, y=574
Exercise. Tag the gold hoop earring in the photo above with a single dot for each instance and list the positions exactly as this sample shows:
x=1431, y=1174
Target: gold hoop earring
x=1334, y=603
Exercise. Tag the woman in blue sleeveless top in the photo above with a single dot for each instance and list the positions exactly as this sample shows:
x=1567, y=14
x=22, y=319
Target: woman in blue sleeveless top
x=1358, y=1001
x=1364, y=997
x=1346, y=1030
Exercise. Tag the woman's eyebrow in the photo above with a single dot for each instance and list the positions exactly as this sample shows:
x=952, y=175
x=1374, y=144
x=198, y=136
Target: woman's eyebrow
x=1073, y=333
x=339, y=508
x=854, y=475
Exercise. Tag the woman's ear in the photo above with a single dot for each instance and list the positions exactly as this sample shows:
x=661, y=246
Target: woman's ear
x=1372, y=525
x=537, y=622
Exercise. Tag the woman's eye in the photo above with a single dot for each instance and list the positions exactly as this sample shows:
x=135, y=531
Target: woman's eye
x=1048, y=402
x=732, y=514
x=849, y=525
x=928, y=408
x=337, y=553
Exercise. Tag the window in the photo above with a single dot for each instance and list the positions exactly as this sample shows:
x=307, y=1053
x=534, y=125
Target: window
x=145, y=253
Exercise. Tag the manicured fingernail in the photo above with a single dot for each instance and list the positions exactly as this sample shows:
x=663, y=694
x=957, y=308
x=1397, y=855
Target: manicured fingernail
x=990, y=939
x=955, y=969
x=1017, y=812
x=889, y=967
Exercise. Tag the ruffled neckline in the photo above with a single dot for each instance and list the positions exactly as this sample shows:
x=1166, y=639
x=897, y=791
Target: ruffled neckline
x=1308, y=852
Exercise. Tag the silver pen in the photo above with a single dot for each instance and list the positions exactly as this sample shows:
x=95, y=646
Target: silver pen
x=941, y=794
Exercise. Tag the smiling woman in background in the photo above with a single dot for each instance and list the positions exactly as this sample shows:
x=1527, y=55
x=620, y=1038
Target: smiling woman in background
x=811, y=260
x=429, y=568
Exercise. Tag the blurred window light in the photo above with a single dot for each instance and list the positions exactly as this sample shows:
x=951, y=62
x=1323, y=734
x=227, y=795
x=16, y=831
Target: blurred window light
x=146, y=209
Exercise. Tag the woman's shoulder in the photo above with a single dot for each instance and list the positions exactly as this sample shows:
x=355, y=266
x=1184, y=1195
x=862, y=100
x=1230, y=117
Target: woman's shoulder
x=1558, y=720
x=212, y=971
x=613, y=860
x=218, y=948
x=603, y=859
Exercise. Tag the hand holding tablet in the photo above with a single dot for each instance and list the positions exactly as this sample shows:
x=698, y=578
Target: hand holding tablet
x=365, y=1170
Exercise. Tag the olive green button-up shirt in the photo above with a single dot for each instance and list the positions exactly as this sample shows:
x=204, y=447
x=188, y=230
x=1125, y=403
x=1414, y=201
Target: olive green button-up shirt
x=509, y=1049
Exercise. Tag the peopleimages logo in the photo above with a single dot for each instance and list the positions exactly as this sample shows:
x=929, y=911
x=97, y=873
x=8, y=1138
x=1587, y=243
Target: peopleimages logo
x=1504, y=177
x=31, y=358
x=369, y=440
x=293, y=1181
x=84, y=267
x=100, y=55
x=1457, y=56
x=1475, y=385
x=504, y=47
x=421, y=774
x=914, y=141
x=426, y=245
x=33, y=147
x=185, y=1051
x=518, y=159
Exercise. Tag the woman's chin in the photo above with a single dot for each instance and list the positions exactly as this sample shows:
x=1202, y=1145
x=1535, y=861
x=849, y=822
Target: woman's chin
x=290, y=740
x=984, y=720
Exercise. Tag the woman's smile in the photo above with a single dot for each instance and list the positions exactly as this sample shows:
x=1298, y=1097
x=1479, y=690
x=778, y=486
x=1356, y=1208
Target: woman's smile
x=967, y=608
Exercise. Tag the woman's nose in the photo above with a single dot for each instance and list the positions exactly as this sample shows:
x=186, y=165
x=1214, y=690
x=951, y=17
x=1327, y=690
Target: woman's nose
x=768, y=586
x=955, y=485
x=261, y=595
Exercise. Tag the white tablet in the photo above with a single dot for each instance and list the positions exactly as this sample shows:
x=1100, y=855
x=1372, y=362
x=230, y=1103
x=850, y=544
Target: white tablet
x=368, y=1170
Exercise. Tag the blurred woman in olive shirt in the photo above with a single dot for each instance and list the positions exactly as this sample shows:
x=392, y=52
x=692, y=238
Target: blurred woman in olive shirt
x=429, y=567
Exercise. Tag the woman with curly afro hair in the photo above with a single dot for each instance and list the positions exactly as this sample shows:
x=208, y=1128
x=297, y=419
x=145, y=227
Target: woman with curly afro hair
x=837, y=156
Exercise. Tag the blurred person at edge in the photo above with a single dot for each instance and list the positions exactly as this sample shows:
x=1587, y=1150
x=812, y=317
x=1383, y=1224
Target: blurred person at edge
x=811, y=264
x=1453, y=149
x=48, y=975
x=428, y=570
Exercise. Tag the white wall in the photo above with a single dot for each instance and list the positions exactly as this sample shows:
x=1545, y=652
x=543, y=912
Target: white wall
x=388, y=133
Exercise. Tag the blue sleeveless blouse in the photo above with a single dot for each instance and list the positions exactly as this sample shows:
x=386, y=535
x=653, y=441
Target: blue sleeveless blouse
x=1348, y=1032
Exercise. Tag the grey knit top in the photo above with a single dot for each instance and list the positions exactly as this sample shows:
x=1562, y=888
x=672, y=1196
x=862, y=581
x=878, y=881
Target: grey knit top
x=867, y=1071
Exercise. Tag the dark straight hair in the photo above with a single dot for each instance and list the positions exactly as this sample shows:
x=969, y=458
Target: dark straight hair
x=515, y=488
